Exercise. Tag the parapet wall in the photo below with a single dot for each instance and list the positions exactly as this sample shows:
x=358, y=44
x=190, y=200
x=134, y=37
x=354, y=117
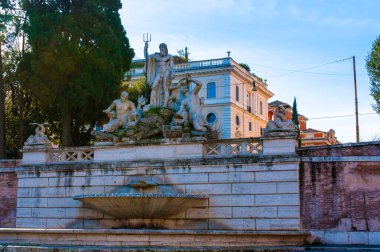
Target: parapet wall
x=340, y=187
x=244, y=193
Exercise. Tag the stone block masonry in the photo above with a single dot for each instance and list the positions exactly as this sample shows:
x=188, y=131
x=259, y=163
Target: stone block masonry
x=244, y=193
x=8, y=193
x=340, y=187
x=340, y=193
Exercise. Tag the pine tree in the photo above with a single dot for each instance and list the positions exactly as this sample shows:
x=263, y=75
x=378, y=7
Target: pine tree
x=79, y=55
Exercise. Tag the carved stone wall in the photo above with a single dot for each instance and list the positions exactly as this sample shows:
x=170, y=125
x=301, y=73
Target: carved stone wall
x=244, y=193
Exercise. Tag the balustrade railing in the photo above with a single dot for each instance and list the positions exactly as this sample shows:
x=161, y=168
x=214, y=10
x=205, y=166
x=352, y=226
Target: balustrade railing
x=70, y=154
x=233, y=147
x=211, y=148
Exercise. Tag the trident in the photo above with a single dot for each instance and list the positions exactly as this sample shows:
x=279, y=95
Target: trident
x=146, y=38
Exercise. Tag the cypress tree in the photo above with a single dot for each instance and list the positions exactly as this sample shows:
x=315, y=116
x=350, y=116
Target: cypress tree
x=295, y=121
x=79, y=54
x=295, y=113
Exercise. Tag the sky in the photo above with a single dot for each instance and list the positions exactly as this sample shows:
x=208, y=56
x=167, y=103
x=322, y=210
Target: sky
x=277, y=38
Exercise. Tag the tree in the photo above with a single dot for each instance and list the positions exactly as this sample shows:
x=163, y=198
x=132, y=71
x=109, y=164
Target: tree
x=4, y=21
x=295, y=120
x=136, y=89
x=79, y=55
x=245, y=66
x=373, y=68
x=12, y=45
x=2, y=104
x=181, y=57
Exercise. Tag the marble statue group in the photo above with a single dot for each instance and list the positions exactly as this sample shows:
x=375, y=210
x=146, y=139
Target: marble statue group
x=171, y=116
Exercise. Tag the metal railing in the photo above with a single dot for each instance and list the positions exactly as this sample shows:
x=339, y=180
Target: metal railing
x=233, y=147
x=70, y=154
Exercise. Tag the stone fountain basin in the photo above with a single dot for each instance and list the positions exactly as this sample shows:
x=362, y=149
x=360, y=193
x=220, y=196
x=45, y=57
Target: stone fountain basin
x=141, y=205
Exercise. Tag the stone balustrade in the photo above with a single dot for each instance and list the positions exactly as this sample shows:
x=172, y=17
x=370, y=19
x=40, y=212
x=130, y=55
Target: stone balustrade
x=168, y=150
x=70, y=154
x=233, y=147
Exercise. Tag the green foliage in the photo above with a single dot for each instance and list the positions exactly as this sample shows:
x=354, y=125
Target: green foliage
x=17, y=106
x=181, y=57
x=178, y=59
x=373, y=68
x=21, y=107
x=136, y=89
x=79, y=55
x=245, y=66
x=137, y=64
x=295, y=121
x=258, y=77
x=295, y=113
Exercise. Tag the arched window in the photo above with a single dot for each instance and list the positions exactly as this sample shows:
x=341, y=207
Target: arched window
x=211, y=90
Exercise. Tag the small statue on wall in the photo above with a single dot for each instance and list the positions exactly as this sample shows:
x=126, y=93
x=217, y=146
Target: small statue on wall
x=280, y=121
x=39, y=139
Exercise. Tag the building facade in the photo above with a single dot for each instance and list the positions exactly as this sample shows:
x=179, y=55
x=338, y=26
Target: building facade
x=235, y=100
x=309, y=136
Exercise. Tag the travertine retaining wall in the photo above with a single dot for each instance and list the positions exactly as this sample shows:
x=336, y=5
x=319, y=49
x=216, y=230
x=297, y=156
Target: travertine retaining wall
x=252, y=193
x=340, y=192
x=8, y=193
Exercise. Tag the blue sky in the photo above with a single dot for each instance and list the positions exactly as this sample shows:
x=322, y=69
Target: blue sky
x=274, y=37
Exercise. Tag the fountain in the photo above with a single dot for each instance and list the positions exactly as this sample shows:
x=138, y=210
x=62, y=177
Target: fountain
x=132, y=186
x=133, y=202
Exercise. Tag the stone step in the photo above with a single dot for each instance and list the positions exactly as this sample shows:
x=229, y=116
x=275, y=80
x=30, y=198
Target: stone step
x=51, y=248
x=151, y=238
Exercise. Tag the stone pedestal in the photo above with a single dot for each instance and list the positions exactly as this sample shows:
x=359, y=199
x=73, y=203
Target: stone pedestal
x=34, y=155
x=278, y=142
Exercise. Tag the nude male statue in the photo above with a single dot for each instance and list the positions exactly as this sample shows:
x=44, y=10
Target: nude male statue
x=160, y=73
x=120, y=113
